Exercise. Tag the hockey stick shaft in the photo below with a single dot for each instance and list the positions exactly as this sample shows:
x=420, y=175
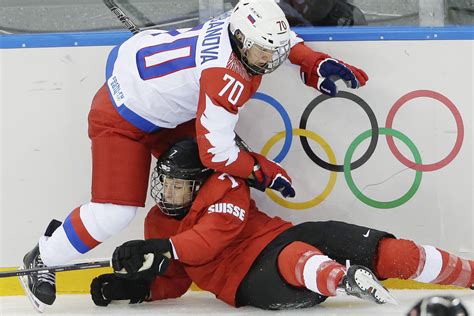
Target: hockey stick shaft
x=240, y=142
x=132, y=27
x=61, y=268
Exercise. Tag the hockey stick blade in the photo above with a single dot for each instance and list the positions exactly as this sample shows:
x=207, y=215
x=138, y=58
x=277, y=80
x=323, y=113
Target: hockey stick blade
x=61, y=268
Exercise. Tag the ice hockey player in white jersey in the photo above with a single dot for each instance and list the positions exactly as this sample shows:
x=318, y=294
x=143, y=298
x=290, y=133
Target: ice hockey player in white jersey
x=161, y=86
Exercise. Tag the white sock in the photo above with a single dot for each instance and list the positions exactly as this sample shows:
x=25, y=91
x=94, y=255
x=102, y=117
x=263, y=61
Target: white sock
x=83, y=229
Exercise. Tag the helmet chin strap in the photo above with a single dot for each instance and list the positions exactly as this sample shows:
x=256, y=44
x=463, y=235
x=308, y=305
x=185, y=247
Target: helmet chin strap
x=253, y=69
x=237, y=47
x=173, y=210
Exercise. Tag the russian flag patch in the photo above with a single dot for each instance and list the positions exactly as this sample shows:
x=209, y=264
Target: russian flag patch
x=251, y=19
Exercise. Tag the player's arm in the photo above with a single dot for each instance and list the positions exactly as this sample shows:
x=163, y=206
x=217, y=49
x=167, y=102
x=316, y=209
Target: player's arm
x=175, y=281
x=222, y=93
x=217, y=228
x=172, y=284
x=321, y=71
x=213, y=231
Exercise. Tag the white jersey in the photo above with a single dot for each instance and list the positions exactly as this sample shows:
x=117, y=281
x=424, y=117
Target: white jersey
x=160, y=79
x=154, y=76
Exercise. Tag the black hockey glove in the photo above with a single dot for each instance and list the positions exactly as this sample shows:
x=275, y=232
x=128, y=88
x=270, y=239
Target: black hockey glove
x=108, y=287
x=142, y=259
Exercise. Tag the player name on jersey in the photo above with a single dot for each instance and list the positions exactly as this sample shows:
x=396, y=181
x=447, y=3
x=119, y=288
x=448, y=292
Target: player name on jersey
x=212, y=40
x=227, y=208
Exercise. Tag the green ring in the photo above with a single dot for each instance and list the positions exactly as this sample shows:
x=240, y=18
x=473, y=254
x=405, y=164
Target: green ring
x=358, y=193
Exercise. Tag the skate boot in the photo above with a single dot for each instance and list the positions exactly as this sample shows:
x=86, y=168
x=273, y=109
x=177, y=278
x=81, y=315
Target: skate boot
x=39, y=287
x=360, y=282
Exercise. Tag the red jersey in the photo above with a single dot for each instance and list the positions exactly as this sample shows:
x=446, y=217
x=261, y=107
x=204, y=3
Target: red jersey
x=216, y=243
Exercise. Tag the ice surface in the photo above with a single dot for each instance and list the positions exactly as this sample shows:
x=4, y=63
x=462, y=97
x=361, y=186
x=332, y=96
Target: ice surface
x=203, y=303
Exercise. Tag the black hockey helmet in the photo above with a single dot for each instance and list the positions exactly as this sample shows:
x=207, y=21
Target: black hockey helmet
x=439, y=306
x=177, y=177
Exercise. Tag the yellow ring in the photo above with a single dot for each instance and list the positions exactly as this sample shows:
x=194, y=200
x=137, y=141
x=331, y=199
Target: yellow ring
x=332, y=177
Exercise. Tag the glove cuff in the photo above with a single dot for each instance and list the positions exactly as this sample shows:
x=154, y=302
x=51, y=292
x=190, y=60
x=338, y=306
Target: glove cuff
x=257, y=174
x=160, y=245
x=309, y=66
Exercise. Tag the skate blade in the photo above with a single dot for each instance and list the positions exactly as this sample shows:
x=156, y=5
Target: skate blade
x=37, y=304
x=381, y=294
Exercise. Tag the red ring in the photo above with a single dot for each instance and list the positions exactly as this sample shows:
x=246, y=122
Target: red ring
x=460, y=128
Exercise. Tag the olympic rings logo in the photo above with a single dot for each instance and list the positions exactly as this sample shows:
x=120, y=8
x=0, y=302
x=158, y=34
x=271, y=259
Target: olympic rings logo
x=348, y=165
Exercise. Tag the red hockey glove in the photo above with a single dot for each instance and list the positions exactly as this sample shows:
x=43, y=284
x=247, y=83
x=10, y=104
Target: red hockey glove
x=269, y=174
x=142, y=259
x=321, y=72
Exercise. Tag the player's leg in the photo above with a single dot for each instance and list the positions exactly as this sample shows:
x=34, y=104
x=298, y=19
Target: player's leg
x=303, y=265
x=265, y=287
x=404, y=259
x=341, y=241
x=387, y=256
x=120, y=171
x=119, y=184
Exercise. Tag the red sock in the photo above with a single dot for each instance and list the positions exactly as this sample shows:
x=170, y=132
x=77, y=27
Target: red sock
x=397, y=258
x=455, y=271
x=403, y=259
x=303, y=265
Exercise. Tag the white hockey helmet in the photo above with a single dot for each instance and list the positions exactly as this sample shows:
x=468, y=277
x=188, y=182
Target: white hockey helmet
x=260, y=26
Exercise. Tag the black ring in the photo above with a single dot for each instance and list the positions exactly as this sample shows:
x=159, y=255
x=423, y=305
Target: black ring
x=373, y=123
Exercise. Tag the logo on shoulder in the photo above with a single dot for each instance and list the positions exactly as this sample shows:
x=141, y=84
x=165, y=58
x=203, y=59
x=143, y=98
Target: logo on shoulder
x=227, y=208
x=115, y=90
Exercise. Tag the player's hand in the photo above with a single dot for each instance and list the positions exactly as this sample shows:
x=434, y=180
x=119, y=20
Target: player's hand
x=321, y=72
x=142, y=259
x=269, y=174
x=108, y=287
x=331, y=70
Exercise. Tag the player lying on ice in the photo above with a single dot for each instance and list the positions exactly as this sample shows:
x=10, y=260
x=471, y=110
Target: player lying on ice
x=165, y=84
x=206, y=229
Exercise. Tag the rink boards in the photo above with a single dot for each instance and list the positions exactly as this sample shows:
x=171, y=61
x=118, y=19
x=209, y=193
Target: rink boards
x=395, y=155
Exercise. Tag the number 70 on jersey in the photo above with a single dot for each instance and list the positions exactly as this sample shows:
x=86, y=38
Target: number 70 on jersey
x=235, y=87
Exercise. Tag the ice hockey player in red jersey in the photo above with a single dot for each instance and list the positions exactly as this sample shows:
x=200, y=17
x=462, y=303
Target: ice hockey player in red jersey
x=206, y=228
x=161, y=85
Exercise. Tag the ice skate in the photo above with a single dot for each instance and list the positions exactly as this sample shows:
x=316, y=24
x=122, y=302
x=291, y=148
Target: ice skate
x=360, y=282
x=39, y=287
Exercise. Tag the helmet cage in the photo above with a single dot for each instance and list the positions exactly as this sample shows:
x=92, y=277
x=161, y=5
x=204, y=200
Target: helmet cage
x=278, y=56
x=174, y=192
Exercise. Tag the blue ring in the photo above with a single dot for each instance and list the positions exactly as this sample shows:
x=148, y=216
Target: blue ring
x=286, y=120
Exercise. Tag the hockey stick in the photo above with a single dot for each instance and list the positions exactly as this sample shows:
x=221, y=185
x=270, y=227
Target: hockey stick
x=122, y=16
x=132, y=27
x=61, y=268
